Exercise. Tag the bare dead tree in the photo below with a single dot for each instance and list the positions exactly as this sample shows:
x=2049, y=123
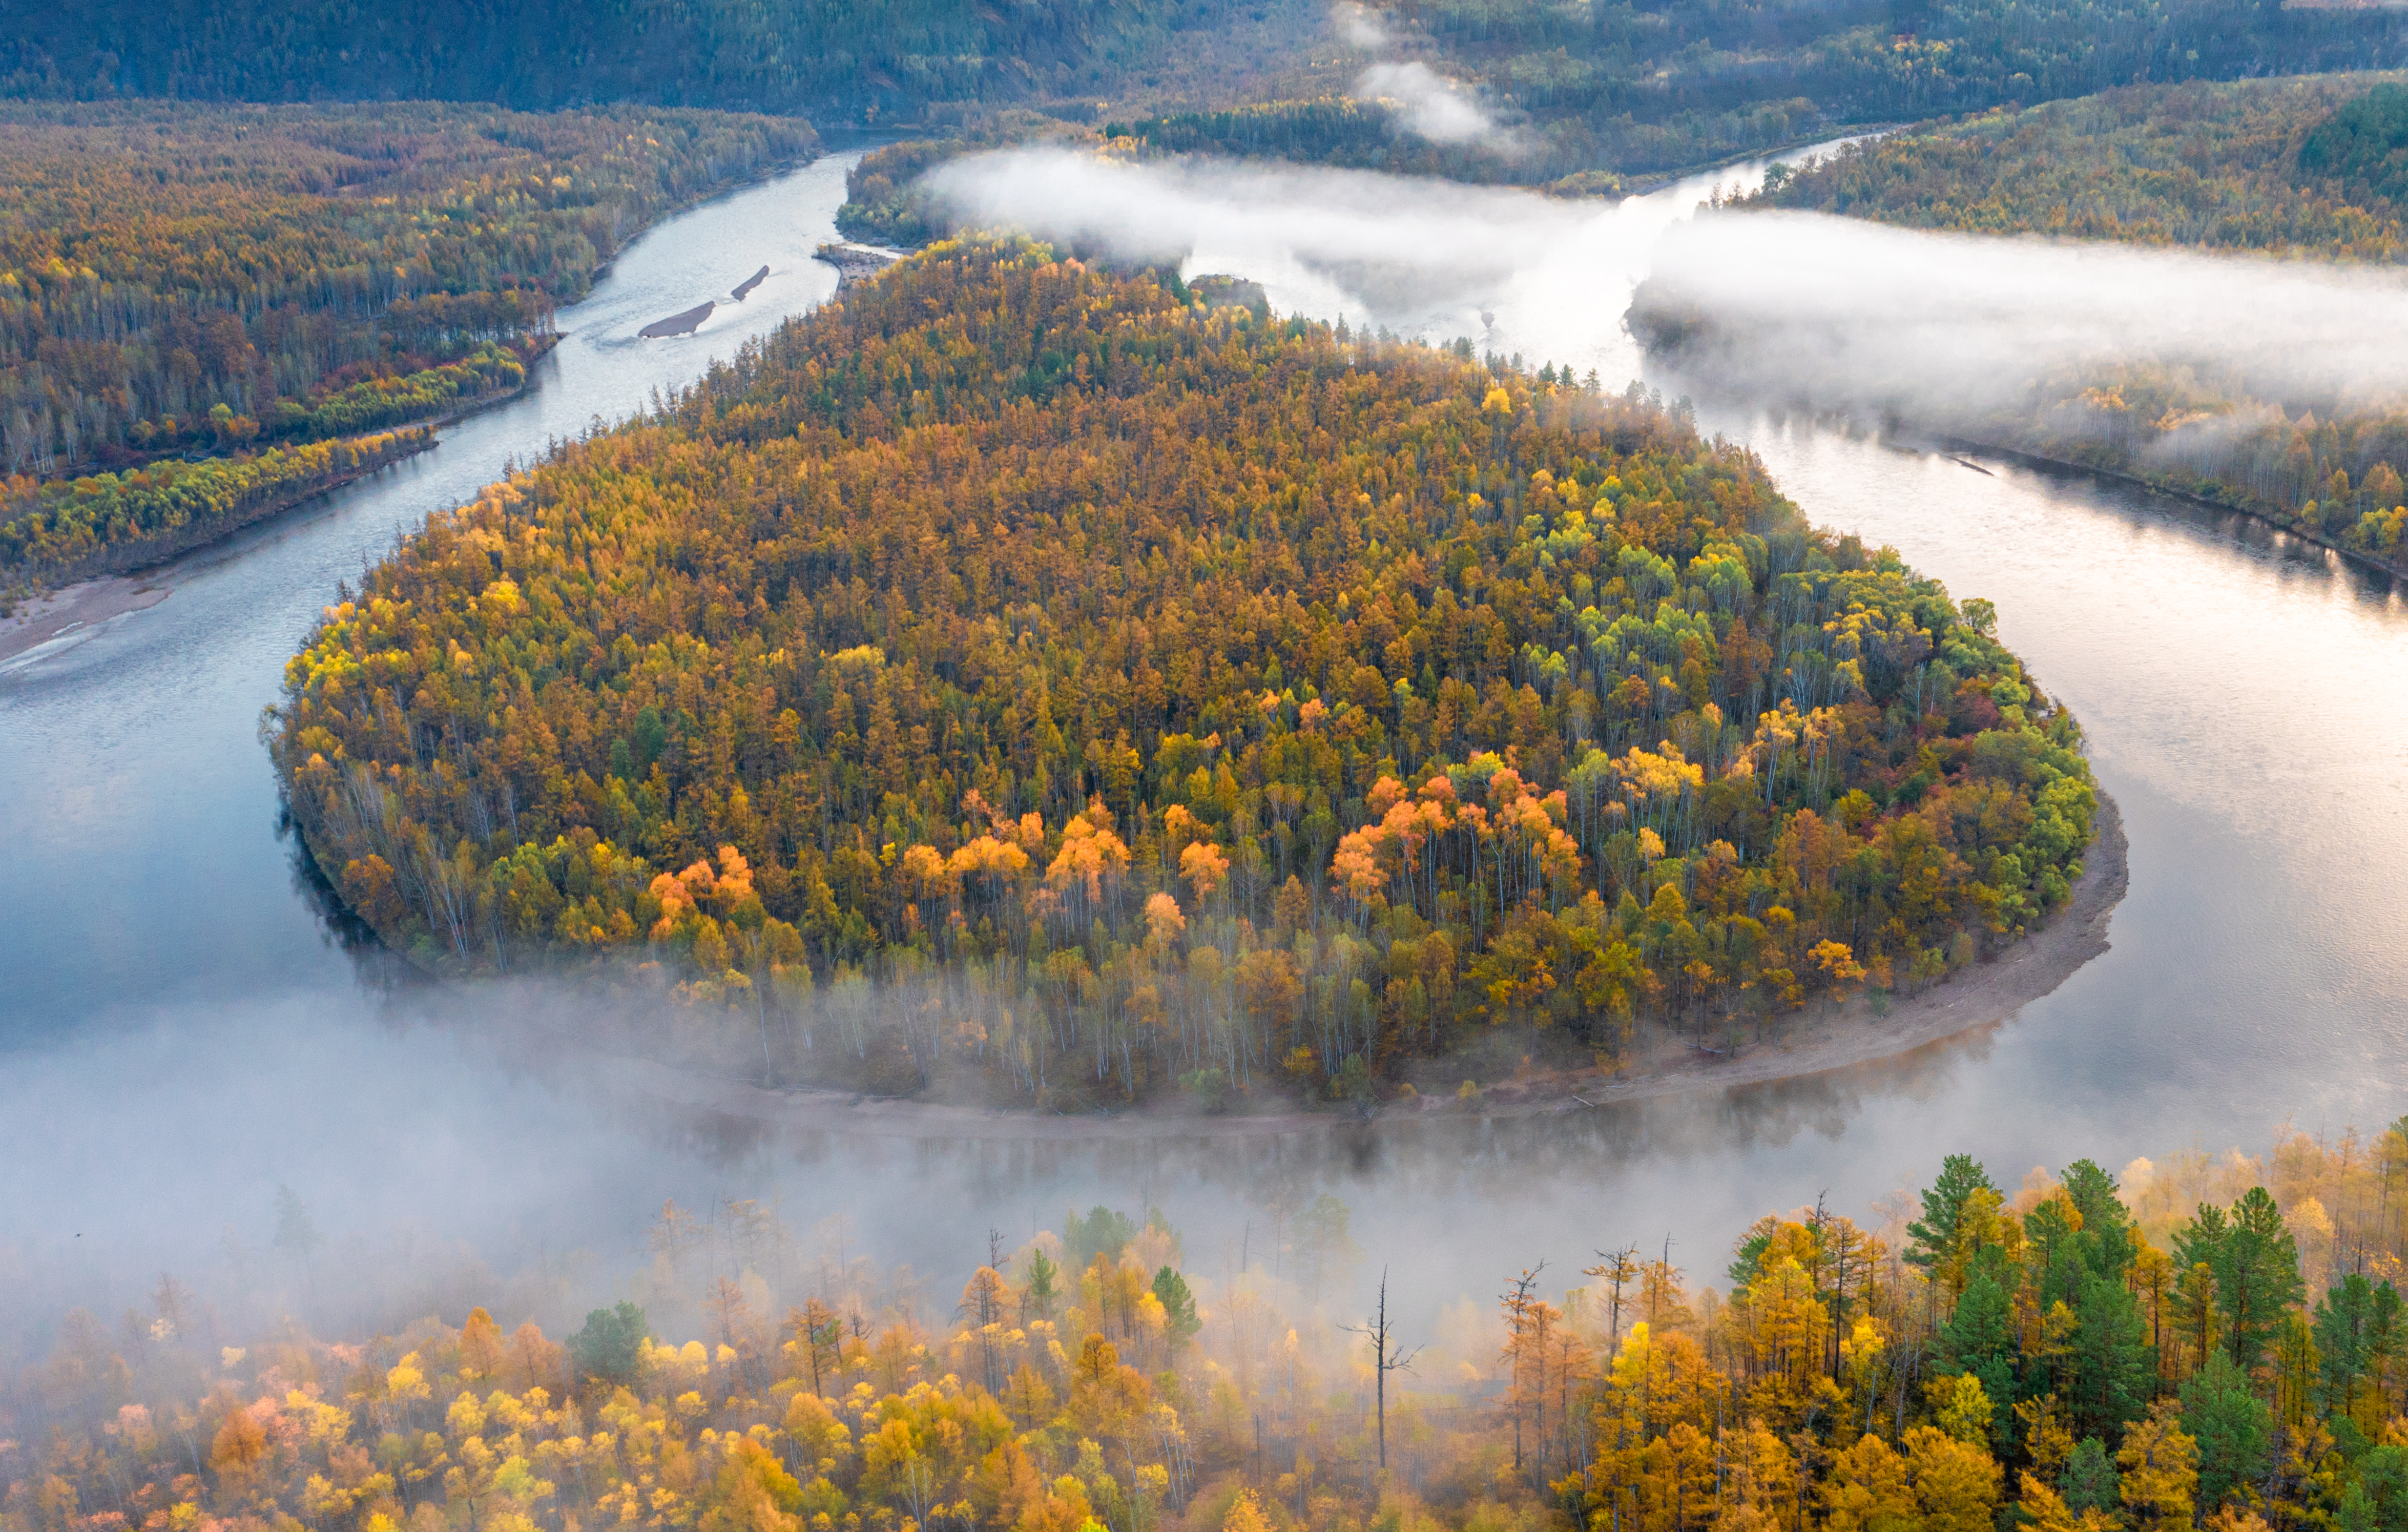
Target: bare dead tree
x=1618, y=1267
x=1385, y=1359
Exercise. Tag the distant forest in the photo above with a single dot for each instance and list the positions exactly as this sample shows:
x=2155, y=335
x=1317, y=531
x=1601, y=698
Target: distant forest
x=828, y=58
x=1650, y=88
x=2314, y=168
x=1628, y=88
x=1167, y=695
x=180, y=280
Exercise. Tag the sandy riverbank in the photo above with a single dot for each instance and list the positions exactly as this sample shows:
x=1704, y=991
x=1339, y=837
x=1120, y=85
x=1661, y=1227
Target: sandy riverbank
x=84, y=604
x=1982, y=995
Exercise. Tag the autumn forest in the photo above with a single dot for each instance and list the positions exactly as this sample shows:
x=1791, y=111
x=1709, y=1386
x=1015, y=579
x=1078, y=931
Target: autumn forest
x=2210, y=1342
x=1160, y=697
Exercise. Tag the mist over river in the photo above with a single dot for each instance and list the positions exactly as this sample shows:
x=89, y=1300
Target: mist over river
x=183, y=1029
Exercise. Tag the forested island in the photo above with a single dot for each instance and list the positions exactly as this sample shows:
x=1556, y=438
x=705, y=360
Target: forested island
x=2204, y=1344
x=209, y=312
x=2312, y=168
x=1012, y=671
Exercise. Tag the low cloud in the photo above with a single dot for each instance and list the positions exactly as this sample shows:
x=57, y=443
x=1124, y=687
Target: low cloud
x=1412, y=254
x=1430, y=105
x=1846, y=313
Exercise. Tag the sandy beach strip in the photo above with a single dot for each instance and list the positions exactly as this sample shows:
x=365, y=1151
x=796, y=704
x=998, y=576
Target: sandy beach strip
x=86, y=603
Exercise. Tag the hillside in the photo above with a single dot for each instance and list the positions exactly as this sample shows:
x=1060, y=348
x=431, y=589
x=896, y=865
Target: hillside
x=1542, y=91
x=862, y=63
x=2316, y=166
x=1183, y=695
x=180, y=282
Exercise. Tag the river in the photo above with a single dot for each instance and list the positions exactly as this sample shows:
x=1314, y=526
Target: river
x=183, y=1029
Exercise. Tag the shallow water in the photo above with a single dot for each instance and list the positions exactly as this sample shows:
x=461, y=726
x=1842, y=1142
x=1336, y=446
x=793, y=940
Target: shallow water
x=182, y=1029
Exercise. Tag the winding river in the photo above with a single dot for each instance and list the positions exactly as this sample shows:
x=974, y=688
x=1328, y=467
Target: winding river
x=183, y=1029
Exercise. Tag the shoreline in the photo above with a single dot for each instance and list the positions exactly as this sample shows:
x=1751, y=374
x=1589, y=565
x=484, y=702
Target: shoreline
x=855, y=262
x=1982, y=995
x=2041, y=460
x=86, y=603
x=94, y=597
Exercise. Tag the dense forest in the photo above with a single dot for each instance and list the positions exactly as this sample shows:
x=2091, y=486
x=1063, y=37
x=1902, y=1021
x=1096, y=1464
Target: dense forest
x=1669, y=86
x=2206, y=1344
x=1663, y=86
x=2316, y=166
x=1627, y=88
x=883, y=202
x=1376, y=134
x=792, y=57
x=2303, y=168
x=184, y=282
x=1164, y=694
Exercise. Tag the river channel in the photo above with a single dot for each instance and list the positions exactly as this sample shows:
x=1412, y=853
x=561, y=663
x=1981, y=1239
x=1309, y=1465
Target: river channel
x=183, y=1029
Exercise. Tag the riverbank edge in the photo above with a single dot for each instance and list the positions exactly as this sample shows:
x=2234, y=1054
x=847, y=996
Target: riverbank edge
x=92, y=595
x=1983, y=996
x=1841, y=134
x=2289, y=529
x=103, y=593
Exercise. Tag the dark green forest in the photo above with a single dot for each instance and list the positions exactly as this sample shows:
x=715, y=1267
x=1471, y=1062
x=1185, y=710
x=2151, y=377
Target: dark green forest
x=1631, y=88
x=814, y=57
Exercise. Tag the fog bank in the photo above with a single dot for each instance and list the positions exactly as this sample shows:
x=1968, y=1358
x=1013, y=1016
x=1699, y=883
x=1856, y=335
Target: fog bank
x=1797, y=305
x=1861, y=314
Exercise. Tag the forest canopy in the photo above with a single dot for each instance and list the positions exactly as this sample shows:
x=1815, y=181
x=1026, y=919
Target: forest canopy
x=2287, y=167
x=2201, y=1343
x=1175, y=693
x=1627, y=88
x=162, y=260
x=838, y=58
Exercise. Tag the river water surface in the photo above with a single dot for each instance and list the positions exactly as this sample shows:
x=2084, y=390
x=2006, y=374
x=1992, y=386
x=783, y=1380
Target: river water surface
x=182, y=1030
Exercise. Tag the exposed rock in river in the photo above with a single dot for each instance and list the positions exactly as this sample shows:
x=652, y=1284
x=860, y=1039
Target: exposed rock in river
x=679, y=324
x=744, y=287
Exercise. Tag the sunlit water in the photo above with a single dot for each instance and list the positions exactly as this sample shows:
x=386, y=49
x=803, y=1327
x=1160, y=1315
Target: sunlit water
x=184, y=1032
